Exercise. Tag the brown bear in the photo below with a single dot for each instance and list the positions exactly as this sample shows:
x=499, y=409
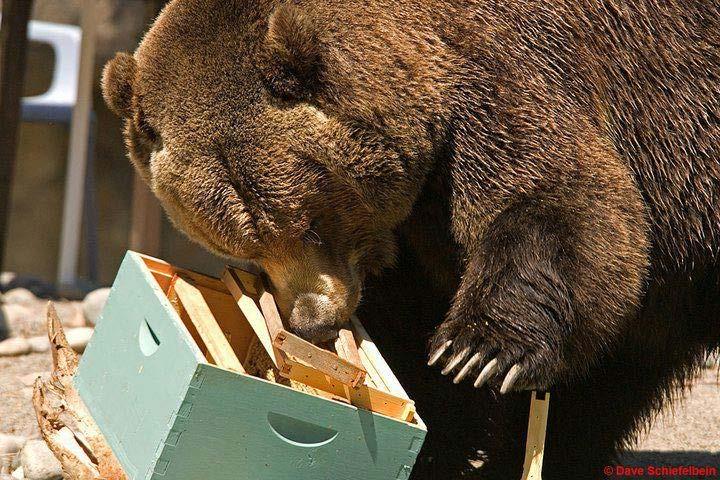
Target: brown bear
x=544, y=175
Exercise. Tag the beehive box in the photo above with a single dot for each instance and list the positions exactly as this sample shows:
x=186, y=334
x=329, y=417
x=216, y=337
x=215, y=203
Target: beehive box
x=169, y=411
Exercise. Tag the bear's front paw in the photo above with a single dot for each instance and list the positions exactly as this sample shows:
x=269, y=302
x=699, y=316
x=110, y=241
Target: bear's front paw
x=473, y=350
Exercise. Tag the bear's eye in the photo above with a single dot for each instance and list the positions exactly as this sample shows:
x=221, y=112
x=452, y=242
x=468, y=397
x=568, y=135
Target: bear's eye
x=311, y=236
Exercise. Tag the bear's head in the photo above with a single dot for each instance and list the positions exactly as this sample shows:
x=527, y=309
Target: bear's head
x=297, y=135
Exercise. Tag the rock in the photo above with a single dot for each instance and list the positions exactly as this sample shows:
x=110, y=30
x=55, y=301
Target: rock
x=12, y=347
x=39, y=287
x=6, y=279
x=11, y=444
x=93, y=304
x=39, y=344
x=19, y=296
x=21, y=320
x=38, y=462
x=78, y=338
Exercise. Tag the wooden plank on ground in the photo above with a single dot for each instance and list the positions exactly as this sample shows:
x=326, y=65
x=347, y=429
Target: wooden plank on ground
x=535, y=443
x=207, y=327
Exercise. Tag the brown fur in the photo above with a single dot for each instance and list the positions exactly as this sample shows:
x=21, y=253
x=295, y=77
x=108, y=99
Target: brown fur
x=555, y=165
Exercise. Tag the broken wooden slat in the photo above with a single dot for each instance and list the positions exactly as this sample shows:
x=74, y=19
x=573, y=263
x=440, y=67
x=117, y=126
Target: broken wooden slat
x=363, y=396
x=535, y=443
x=207, y=327
x=291, y=345
x=304, y=351
x=269, y=310
x=319, y=359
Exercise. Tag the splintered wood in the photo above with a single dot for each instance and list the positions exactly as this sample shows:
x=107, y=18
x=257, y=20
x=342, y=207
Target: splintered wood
x=346, y=347
x=65, y=423
x=323, y=360
x=259, y=364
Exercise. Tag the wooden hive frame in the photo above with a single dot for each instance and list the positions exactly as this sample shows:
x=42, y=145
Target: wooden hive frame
x=225, y=316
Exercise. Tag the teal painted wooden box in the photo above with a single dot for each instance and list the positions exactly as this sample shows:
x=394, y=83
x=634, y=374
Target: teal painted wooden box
x=168, y=413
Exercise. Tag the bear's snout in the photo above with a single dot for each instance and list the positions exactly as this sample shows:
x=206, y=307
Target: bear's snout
x=315, y=318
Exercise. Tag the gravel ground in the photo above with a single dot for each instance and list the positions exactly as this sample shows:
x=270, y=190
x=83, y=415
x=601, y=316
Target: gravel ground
x=16, y=414
x=689, y=435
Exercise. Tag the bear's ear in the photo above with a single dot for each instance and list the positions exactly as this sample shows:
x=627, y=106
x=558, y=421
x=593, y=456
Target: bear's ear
x=292, y=53
x=117, y=82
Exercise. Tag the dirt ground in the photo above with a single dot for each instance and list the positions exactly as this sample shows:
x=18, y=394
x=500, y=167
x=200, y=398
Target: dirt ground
x=16, y=373
x=689, y=436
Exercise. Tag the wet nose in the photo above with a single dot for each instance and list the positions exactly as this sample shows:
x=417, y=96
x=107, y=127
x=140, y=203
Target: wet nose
x=314, y=318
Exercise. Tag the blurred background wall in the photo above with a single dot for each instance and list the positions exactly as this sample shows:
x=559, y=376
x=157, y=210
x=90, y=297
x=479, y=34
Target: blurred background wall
x=36, y=206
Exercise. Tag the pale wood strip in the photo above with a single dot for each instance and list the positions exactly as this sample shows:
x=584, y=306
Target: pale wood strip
x=535, y=443
x=270, y=311
x=373, y=355
x=207, y=327
x=252, y=313
x=346, y=347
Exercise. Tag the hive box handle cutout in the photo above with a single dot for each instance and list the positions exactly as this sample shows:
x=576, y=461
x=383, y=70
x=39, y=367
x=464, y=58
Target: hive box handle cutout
x=299, y=433
x=149, y=342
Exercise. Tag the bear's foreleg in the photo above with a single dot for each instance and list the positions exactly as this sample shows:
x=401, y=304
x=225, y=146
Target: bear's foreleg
x=549, y=285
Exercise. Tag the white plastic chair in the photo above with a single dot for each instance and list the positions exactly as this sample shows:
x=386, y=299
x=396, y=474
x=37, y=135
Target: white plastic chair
x=57, y=105
x=60, y=98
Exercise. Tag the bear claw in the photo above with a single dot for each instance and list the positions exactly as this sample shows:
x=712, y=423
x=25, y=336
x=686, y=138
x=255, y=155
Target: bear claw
x=438, y=353
x=466, y=368
x=455, y=361
x=510, y=379
x=488, y=371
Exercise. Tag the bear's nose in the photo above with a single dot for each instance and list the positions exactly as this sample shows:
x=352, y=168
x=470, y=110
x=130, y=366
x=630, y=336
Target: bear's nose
x=314, y=318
